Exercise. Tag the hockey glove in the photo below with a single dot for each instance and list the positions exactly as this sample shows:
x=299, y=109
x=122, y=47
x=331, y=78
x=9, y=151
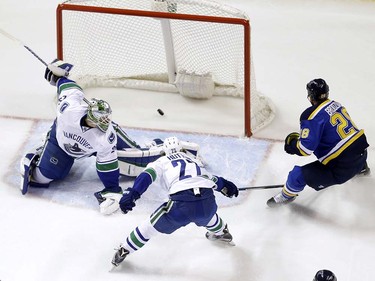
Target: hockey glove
x=128, y=199
x=227, y=188
x=108, y=201
x=290, y=142
x=56, y=70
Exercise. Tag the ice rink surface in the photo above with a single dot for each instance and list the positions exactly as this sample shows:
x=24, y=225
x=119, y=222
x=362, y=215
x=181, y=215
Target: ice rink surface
x=58, y=234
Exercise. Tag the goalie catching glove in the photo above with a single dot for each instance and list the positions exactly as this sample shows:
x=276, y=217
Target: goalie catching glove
x=55, y=70
x=290, y=142
x=108, y=201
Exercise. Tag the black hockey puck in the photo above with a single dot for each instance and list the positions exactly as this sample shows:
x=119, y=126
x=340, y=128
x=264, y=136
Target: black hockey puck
x=161, y=112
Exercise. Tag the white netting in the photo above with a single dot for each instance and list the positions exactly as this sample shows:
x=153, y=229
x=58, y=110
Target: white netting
x=118, y=50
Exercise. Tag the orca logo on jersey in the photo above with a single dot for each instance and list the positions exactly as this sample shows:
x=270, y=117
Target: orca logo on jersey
x=74, y=149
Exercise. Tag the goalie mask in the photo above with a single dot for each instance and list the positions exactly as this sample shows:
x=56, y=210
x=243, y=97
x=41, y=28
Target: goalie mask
x=171, y=145
x=99, y=114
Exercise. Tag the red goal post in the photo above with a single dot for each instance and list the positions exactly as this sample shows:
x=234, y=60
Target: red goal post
x=84, y=26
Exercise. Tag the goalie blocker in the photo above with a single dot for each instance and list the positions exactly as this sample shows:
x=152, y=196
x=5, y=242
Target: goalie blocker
x=132, y=161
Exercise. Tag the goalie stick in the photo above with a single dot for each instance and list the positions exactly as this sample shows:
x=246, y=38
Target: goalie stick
x=11, y=37
x=261, y=187
x=55, y=69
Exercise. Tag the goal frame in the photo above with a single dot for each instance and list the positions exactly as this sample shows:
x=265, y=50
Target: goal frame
x=164, y=15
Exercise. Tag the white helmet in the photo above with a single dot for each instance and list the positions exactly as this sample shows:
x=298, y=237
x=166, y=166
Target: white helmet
x=171, y=145
x=99, y=113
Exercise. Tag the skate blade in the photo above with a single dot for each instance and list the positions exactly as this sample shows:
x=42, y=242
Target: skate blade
x=365, y=173
x=230, y=243
x=113, y=268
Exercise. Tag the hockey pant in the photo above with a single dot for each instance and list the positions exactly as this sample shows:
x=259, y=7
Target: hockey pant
x=173, y=215
x=320, y=176
x=53, y=164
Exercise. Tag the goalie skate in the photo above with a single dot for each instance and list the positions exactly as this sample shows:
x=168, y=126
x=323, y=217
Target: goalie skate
x=226, y=237
x=27, y=166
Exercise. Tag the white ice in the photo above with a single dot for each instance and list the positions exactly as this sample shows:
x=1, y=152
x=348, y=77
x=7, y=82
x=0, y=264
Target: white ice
x=58, y=234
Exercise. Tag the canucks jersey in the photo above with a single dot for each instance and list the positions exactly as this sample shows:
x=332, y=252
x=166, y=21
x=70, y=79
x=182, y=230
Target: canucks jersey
x=178, y=172
x=77, y=139
x=327, y=131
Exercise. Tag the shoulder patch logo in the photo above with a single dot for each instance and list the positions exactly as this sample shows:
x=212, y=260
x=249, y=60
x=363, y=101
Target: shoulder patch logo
x=111, y=137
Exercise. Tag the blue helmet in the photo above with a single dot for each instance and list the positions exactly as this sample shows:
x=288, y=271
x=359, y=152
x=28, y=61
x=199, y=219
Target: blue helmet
x=325, y=275
x=317, y=90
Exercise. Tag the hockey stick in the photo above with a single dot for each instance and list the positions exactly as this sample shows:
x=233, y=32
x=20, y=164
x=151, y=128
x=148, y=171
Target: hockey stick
x=55, y=69
x=11, y=37
x=261, y=187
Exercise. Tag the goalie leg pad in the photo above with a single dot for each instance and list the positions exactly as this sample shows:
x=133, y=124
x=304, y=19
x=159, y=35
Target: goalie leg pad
x=27, y=166
x=192, y=150
x=132, y=161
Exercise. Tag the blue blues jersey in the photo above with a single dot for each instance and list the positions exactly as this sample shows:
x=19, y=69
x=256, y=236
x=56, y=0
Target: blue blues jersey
x=327, y=131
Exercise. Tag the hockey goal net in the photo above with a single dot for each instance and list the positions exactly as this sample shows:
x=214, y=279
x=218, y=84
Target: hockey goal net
x=197, y=48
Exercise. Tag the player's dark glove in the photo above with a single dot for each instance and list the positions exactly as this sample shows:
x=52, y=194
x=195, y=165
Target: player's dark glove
x=290, y=142
x=227, y=188
x=55, y=70
x=127, y=202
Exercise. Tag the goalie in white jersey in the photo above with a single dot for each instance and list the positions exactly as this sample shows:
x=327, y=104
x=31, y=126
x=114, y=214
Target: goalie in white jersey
x=82, y=128
x=191, y=199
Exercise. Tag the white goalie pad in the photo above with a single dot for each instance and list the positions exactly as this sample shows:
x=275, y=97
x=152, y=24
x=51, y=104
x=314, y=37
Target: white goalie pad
x=132, y=161
x=193, y=85
x=192, y=150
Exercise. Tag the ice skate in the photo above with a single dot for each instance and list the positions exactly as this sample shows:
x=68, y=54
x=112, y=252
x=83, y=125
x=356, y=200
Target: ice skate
x=279, y=199
x=119, y=256
x=27, y=166
x=226, y=237
x=365, y=170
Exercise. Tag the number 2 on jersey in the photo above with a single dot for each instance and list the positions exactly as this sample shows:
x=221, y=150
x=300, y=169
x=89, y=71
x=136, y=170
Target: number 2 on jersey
x=188, y=168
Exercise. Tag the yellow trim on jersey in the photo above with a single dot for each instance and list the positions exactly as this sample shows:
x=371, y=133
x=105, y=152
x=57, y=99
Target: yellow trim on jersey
x=343, y=147
x=303, y=153
x=315, y=112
